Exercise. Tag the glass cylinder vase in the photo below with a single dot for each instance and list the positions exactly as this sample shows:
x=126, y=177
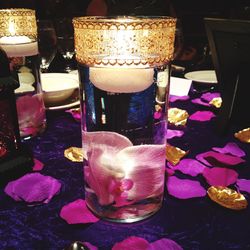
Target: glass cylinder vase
x=18, y=38
x=124, y=68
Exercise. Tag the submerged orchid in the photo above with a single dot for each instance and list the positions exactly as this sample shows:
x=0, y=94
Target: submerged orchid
x=121, y=173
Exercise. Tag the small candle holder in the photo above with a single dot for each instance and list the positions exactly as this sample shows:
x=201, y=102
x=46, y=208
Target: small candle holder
x=18, y=38
x=124, y=68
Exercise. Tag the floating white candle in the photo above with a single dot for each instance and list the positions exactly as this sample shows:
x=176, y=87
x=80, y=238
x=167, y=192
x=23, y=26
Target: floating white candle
x=121, y=80
x=16, y=46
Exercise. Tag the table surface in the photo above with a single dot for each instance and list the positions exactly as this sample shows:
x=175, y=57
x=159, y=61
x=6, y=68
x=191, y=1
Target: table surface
x=196, y=223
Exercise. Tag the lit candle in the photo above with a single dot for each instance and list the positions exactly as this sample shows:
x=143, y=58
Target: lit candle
x=121, y=80
x=16, y=46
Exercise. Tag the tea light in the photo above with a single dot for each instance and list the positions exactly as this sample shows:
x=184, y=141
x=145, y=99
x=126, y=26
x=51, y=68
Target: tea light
x=16, y=46
x=121, y=80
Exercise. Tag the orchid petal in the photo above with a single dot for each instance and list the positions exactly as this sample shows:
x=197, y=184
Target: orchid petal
x=174, y=133
x=243, y=185
x=209, y=96
x=202, y=116
x=184, y=189
x=33, y=188
x=132, y=243
x=77, y=212
x=200, y=102
x=38, y=165
x=220, y=176
x=164, y=244
x=231, y=148
x=189, y=167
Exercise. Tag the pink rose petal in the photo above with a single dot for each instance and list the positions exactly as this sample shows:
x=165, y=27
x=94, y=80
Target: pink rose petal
x=132, y=243
x=174, y=133
x=202, y=116
x=174, y=98
x=243, y=185
x=209, y=96
x=164, y=244
x=231, y=148
x=220, y=176
x=77, y=212
x=38, y=165
x=212, y=158
x=33, y=188
x=200, y=102
x=189, y=167
x=184, y=189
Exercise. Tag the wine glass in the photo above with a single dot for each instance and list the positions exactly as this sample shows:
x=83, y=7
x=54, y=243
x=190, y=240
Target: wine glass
x=47, y=43
x=65, y=41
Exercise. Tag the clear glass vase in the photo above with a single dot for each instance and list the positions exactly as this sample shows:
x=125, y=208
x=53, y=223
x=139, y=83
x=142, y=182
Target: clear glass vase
x=124, y=75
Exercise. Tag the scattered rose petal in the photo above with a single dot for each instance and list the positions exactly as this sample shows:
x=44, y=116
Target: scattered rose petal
x=174, y=133
x=209, y=96
x=74, y=154
x=38, y=165
x=231, y=148
x=212, y=158
x=132, y=243
x=75, y=112
x=227, y=197
x=200, y=102
x=90, y=246
x=189, y=166
x=177, y=117
x=174, y=98
x=33, y=188
x=243, y=135
x=174, y=154
x=164, y=244
x=184, y=189
x=243, y=185
x=216, y=102
x=202, y=116
x=77, y=212
x=220, y=176
x=170, y=171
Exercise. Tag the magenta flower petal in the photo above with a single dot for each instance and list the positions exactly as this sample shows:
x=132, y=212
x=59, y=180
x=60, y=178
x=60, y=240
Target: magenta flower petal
x=174, y=98
x=200, y=102
x=38, y=165
x=189, y=167
x=212, y=158
x=164, y=244
x=33, y=188
x=77, y=212
x=132, y=243
x=174, y=133
x=220, y=176
x=184, y=189
x=202, y=116
x=209, y=96
x=243, y=185
x=90, y=246
x=231, y=148
x=170, y=171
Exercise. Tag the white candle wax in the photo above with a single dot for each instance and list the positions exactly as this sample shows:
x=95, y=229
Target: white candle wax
x=16, y=46
x=121, y=80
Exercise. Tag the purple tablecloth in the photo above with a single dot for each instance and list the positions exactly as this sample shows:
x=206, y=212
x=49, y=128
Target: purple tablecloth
x=196, y=223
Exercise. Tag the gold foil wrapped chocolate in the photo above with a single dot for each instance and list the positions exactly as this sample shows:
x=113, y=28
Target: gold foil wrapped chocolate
x=174, y=154
x=74, y=154
x=227, y=197
x=216, y=102
x=243, y=135
x=178, y=117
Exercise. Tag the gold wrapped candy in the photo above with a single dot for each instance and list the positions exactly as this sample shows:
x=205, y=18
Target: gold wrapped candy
x=178, y=117
x=74, y=154
x=243, y=135
x=216, y=102
x=227, y=197
x=174, y=154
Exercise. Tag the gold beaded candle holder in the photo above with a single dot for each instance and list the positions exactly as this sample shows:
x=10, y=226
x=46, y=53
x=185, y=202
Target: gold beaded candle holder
x=18, y=38
x=124, y=71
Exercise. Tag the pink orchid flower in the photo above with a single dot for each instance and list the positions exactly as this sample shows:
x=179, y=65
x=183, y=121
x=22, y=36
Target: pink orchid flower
x=121, y=173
